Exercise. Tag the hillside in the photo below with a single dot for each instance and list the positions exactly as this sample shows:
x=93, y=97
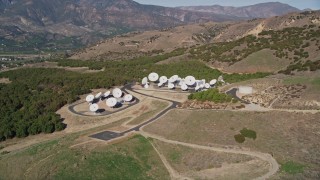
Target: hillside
x=262, y=10
x=43, y=25
x=193, y=35
x=33, y=23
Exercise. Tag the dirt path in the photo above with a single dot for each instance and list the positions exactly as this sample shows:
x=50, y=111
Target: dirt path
x=173, y=173
x=274, y=166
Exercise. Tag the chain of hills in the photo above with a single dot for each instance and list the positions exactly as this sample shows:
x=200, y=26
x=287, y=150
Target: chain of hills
x=29, y=25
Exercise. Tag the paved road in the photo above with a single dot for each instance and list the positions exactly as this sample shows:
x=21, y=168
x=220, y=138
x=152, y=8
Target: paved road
x=104, y=113
x=109, y=135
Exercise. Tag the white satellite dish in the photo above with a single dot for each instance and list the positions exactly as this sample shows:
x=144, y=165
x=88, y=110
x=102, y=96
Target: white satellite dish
x=182, y=82
x=106, y=94
x=184, y=87
x=207, y=85
x=144, y=81
x=128, y=97
x=197, y=88
x=190, y=80
x=90, y=98
x=163, y=79
x=201, y=86
x=170, y=86
x=98, y=96
x=153, y=77
x=146, y=86
x=213, y=82
x=117, y=93
x=173, y=78
x=94, y=107
x=160, y=84
x=111, y=102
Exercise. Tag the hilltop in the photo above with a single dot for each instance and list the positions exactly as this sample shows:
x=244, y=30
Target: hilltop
x=33, y=25
x=194, y=35
x=262, y=10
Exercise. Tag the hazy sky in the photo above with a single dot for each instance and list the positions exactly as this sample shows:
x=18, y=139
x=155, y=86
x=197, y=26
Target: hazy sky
x=300, y=4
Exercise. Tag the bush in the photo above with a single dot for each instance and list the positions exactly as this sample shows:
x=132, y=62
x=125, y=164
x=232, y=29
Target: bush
x=239, y=138
x=292, y=167
x=212, y=95
x=248, y=133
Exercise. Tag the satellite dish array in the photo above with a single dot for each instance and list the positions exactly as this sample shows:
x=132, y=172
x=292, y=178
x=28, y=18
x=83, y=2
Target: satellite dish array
x=175, y=81
x=112, y=99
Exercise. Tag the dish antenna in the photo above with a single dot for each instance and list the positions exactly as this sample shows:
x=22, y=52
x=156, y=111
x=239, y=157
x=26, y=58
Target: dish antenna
x=190, y=80
x=173, y=78
x=146, y=86
x=213, y=82
x=221, y=79
x=144, y=81
x=170, y=86
x=98, y=96
x=182, y=82
x=128, y=98
x=160, y=84
x=163, y=79
x=207, y=85
x=90, y=98
x=184, y=87
x=197, y=88
x=117, y=93
x=106, y=94
x=94, y=107
x=112, y=102
x=153, y=77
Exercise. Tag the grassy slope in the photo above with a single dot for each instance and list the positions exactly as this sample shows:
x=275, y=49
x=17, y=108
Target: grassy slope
x=288, y=143
x=261, y=61
x=132, y=159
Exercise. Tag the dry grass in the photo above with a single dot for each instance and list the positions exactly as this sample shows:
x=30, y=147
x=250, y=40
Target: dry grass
x=56, y=160
x=288, y=136
x=155, y=108
x=203, y=164
x=261, y=61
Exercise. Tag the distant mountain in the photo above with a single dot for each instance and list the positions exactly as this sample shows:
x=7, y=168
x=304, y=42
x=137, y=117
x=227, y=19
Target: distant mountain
x=135, y=44
x=85, y=21
x=27, y=25
x=263, y=10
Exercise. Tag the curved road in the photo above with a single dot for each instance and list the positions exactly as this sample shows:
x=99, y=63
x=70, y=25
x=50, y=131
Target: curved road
x=109, y=135
x=105, y=113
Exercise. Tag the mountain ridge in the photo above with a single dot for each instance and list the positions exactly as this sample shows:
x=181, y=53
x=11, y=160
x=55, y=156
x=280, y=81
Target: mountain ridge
x=69, y=24
x=261, y=10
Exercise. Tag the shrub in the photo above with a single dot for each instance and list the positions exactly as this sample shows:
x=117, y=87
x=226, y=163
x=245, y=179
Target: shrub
x=292, y=167
x=239, y=138
x=248, y=133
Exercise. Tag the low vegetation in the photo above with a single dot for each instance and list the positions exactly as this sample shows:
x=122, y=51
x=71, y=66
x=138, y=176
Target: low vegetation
x=35, y=94
x=245, y=133
x=292, y=167
x=302, y=66
x=289, y=43
x=212, y=95
x=239, y=138
x=248, y=133
x=134, y=158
